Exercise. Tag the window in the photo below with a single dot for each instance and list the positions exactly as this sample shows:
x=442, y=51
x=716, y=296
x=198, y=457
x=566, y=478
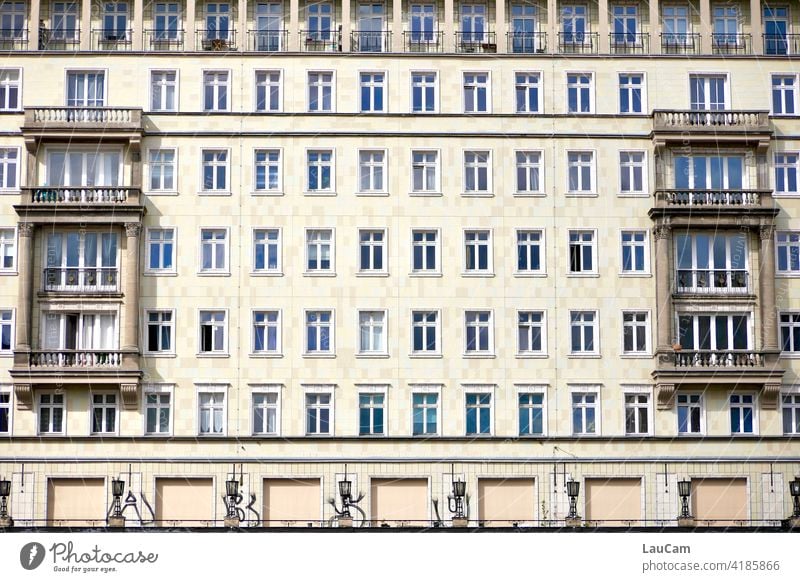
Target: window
x=266, y=412
x=79, y=167
x=476, y=93
x=424, y=92
x=709, y=172
x=9, y=169
x=319, y=251
x=637, y=414
x=51, y=413
x=581, y=252
x=790, y=332
x=94, y=332
x=9, y=84
x=373, y=88
x=479, y=413
x=676, y=27
x=635, y=256
x=477, y=252
x=479, y=332
x=162, y=170
x=530, y=251
x=743, y=416
x=526, y=88
x=631, y=92
x=726, y=26
x=5, y=410
x=6, y=331
x=267, y=332
x=163, y=91
x=585, y=413
x=158, y=410
x=320, y=92
x=81, y=261
x=580, y=176
x=574, y=25
x=319, y=413
x=115, y=22
x=268, y=88
x=425, y=413
x=579, y=93
x=268, y=177
x=425, y=333
x=319, y=333
x=216, y=91
x=372, y=332
x=635, y=332
x=477, y=175
x=320, y=21
x=784, y=94
x=371, y=413
x=266, y=250
x=530, y=332
x=160, y=331
x=213, y=250
x=372, y=251
x=425, y=251
x=423, y=23
x=104, y=413
x=211, y=410
x=632, y=173
x=8, y=249
x=217, y=21
x=473, y=23
x=529, y=173
x=776, y=27
x=788, y=249
x=583, y=332
x=161, y=250
x=215, y=171
x=167, y=21
x=213, y=334
x=424, y=171
x=707, y=92
x=791, y=413
x=320, y=171
x=85, y=88
x=531, y=413
x=371, y=171
x=625, y=26
x=786, y=174
x=711, y=262
x=690, y=413
x=12, y=21
x=714, y=333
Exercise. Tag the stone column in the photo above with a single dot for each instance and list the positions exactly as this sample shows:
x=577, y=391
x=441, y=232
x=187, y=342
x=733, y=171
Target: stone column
x=705, y=27
x=755, y=27
x=663, y=235
x=191, y=15
x=449, y=41
x=346, y=26
x=397, y=26
x=552, y=26
x=130, y=335
x=86, y=25
x=25, y=301
x=241, y=38
x=602, y=26
x=294, y=25
x=501, y=26
x=33, y=26
x=655, y=27
x=138, y=25
x=766, y=288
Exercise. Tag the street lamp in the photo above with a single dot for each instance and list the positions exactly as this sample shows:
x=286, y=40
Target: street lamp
x=684, y=490
x=5, y=491
x=573, y=489
x=346, y=494
x=117, y=489
x=794, y=490
x=455, y=502
x=232, y=492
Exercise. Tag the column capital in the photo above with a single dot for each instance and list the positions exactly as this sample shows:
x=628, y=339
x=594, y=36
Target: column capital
x=133, y=229
x=766, y=232
x=662, y=231
x=25, y=229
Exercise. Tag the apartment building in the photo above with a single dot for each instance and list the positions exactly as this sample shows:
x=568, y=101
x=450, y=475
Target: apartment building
x=293, y=264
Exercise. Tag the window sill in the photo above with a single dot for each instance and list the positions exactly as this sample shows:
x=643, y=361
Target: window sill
x=267, y=193
x=477, y=194
x=10, y=192
x=785, y=194
x=529, y=275
x=788, y=275
x=635, y=356
x=424, y=274
x=159, y=355
x=582, y=275
x=642, y=275
x=581, y=194
x=584, y=356
x=203, y=435
x=367, y=356
x=542, y=356
x=529, y=194
x=426, y=194
x=160, y=274
x=265, y=356
x=8, y=273
x=319, y=356
x=265, y=435
x=214, y=193
x=633, y=195
x=318, y=193
x=790, y=355
x=211, y=355
x=423, y=356
x=161, y=193
x=470, y=356
x=315, y=274
x=371, y=194
x=213, y=273
x=266, y=273
x=6, y=354
x=157, y=435
x=368, y=274
x=480, y=274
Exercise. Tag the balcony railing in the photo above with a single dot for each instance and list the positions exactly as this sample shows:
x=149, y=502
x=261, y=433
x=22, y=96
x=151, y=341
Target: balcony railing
x=267, y=41
x=527, y=42
x=711, y=198
x=162, y=40
x=81, y=280
x=368, y=41
x=62, y=39
x=712, y=281
x=476, y=42
x=75, y=359
x=13, y=39
x=423, y=42
x=585, y=43
x=717, y=120
x=718, y=359
x=83, y=195
x=326, y=41
x=215, y=40
x=673, y=43
x=781, y=44
x=112, y=40
x=731, y=44
x=624, y=43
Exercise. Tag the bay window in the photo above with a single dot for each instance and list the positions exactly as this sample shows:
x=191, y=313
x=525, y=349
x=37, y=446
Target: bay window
x=85, y=261
x=714, y=332
x=711, y=262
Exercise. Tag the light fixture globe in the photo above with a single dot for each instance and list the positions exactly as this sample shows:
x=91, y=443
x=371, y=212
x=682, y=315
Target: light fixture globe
x=5, y=488
x=232, y=487
x=459, y=488
x=345, y=488
x=117, y=487
x=573, y=488
x=684, y=488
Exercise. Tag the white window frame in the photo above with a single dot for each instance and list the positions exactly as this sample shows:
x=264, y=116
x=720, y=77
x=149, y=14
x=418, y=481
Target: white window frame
x=782, y=91
x=524, y=389
x=51, y=406
x=146, y=332
x=174, y=84
x=702, y=405
x=9, y=406
x=595, y=334
x=586, y=389
x=175, y=172
x=226, y=190
x=384, y=246
x=542, y=270
x=13, y=244
x=788, y=244
x=629, y=167
x=360, y=352
x=384, y=168
x=320, y=86
x=527, y=84
x=754, y=406
x=225, y=333
x=256, y=86
x=592, y=165
x=168, y=389
x=228, y=92
x=477, y=271
x=8, y=85
x=645, y=272
x=528, y=166
x=648, y=351
x=437, y=327
x=795, y=353
x=480, y=389
x=542, y=325
x=475, y=89
x=319, y=271
x=637, y=390
x=437, y=244
x=478, y=353
x=372, y=390
x=331, y=352
x=85, y=71
x=331, y=191
x=104, y=406
x=475, y=168
x=792, y=391
x=12, y=330
x=276, y=389
x=436, y=92
x=589, y=273
x=707, y=75
x=215, y=269
x=436, y=389
x=278, y=191
x=785, y=168
x=437, y=190
x=568, y=86
x=265, y=353
x=266, y=271
x=384, y=86
x=629, y=87
x=329, y=389
x=211, y=388
x=4, y=189
x=148, y=270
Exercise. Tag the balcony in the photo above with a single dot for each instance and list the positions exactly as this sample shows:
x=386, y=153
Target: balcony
x=158, y=40
x=112, y=40
x=781, y=44
x=75, y=359
x=67, y=204
x=476, y=42
x=81, y=123
x=267, y=41
x=711, y=126
x=84, y=196
x=62, y=39
x=215, y=40
x=325, y=41
x=84, y=280
x=731, y=44
x=13, y=39
x=578, y=43
x=714, y=208
x=673, y=43
x=682, y=198
x=527, y=42
x=367, y=41
x=423, y=42
x=624, y=43
x=712, y=282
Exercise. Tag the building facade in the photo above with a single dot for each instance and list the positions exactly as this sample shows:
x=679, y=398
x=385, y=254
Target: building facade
x=511, y=244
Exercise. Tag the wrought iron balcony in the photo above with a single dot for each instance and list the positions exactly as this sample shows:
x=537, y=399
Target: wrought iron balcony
x=711, y=198
x=476, y=42
x=112, y=40
x=75, y=359
x=527, y=42
x=162, y=40
x=270, y=41
x=13, y=39
x=368, y=41
x=81, y=280
x=781, y=44
x=61, y=39
x=731, y=44
x=215, y=40
x=712, y=282
x=719, y=359
x=624, y=43
x=326, y=41
x=423, y=42
x=673, y=43
x=585, y=43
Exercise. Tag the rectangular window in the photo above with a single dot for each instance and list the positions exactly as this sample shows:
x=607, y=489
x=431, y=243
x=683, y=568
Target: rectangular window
x=372, y=251
x=213, y=332
x=319, y=251
x=162, y=170
x=320, y=171
x=319, y=332
x=637, y=414
x=268, y=90
x=424, y=171
x=5, y=411
x=371, y=414
x=373, y=91
x=215, y=171
x=579, y=93
x=320, y=92
x=371, y=171
x=584, y=413
x=791, y=413
x=425, y=251
x=216, y=91
x=712, y=262
x=476, y=93
x=707, y=92
x=163, y=91
x=161, y=249
x=479, y=333
x=320, y=22
x=51, y=413
x=104, y=413
x=424, y=92
x=266, y=250
x=583, y=332
x=790, y=332
x=93, y=332
x=266, y=413
x=160, y=331
x=477, y=251
x=582, y=252
x=631, y=93
x=9, y=83
x=784, y=94
x=531, y=413
x=12, y=21
x=267, y=332
x=157, y=411
x=319, y=413
x=9, y=167
x=425, y=332
x=690, y=413
x=167, y=21
x=786, y=173
x=372, y=332
x=8, y=249
x=709, y=173
x=714, y=333
x=580, y=172
x=742, y=413
x=268, y=177
x=425, y=413
x=632, y=173
x=211, y=411
x=788, y=249
x=81, y=261
x=635, y=332
x=86, y=88
x=634, y=252
x=6, y=331
x=530, y=332
x=479, y=413
x=477, y=172
x=530, y=251
x=527, y=88
x=213, y=250
x=529, y=173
